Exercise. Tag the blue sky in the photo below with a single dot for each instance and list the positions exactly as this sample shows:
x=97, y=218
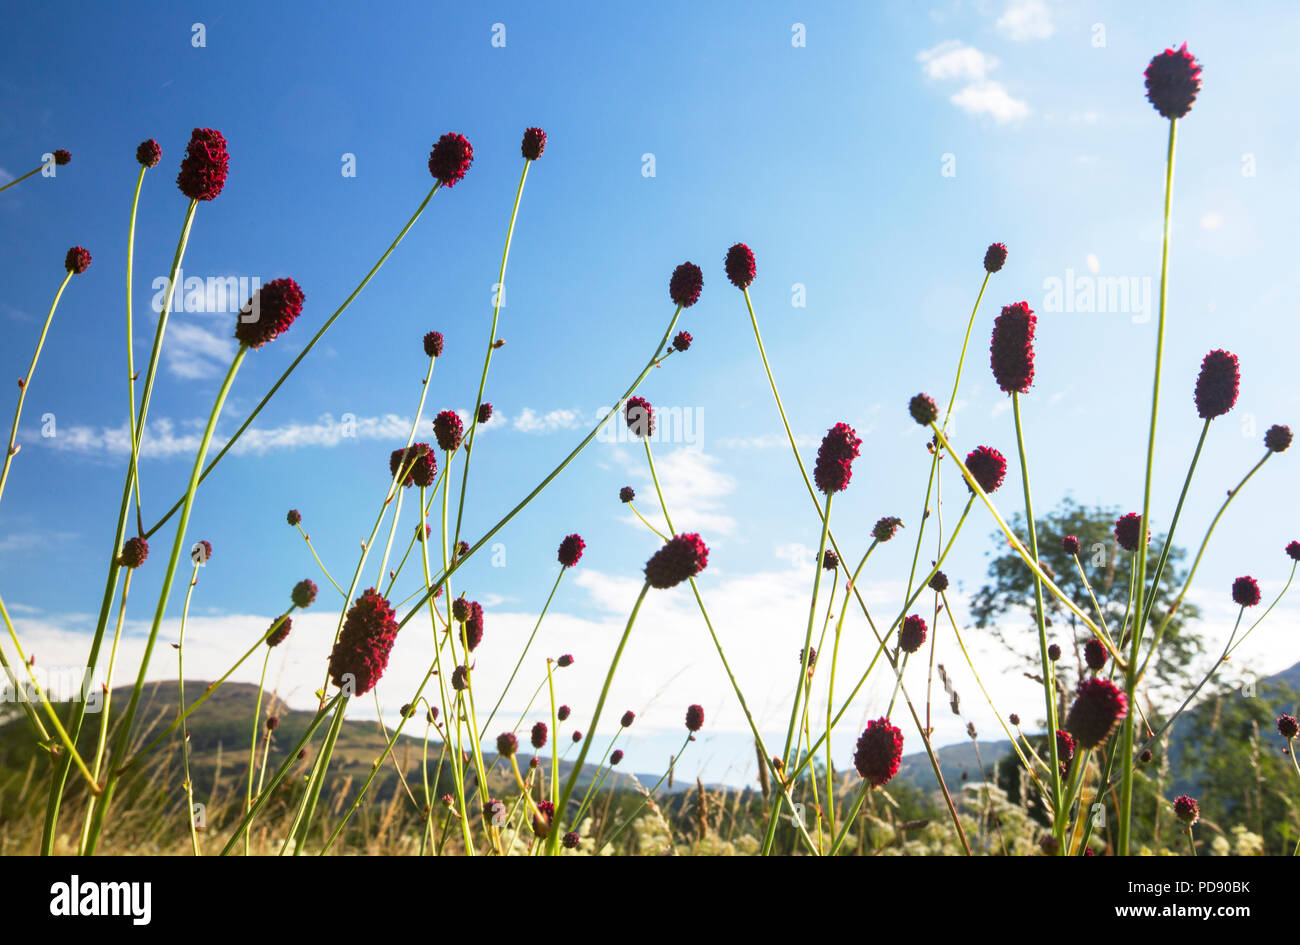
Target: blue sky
x=868, y=167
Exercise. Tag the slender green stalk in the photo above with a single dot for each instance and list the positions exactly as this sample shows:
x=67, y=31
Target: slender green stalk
x=124, y=734
x=553, y=836
x=19, y=180
x=180, y=710
x=1131, y=676
x=520, y=662
x=130, y=342
x=252, y=746
x=301, y=354
x=646, y=799
x=26, y=382
x=1049, y=689
x=487, y=357
x=1173, y=525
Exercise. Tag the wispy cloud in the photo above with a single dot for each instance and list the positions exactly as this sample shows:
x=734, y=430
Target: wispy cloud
x=981, y=95
x=197, y=353
x=1026, y=20
x=530, y=421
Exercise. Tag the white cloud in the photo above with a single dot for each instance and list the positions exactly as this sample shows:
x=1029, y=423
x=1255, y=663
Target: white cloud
x=694, y=488
x=529, y=421
x=1026, y=20
x=953, y=59
x=1212, y=220
x=196, y=353
x=992, y=99
x=766, y=441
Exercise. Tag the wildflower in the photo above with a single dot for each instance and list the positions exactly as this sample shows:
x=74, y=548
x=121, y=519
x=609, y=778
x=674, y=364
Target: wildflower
x=206, y=555
x=685, y=285
x=616, y=756
x=1070, y=544
x=280, y=633
x=1173, y=80
x=448, y=429
x=460, y=609
x=1217, y=384
x=571, y=550
x=741, y=267
x=995, y=257
x=1094, y=654
x=1014, y=719
x=1127, y=528
x=812, y=657
x=474, y=626
x=538, y=735
x=304, y=593
x=418, y=464
x=834, y=467
x=1012, y=348
x=1287, y=727
x=571, y=840
x=450, y=159
x=1186, y=809
x=577, y=737
x=369, y=630
x=433, y=343
x=149, y=153
x=77, y=260
x=939, y=582
x=987, y=467
x=62, y=157
x=1293, y=550
x=682, y=341
x=683, y=557
x=1277, y=438
x=830, y=560
x=626, y=494
x=1097, y=708
x=1064, y=748
x=878, y=752
x=885, y=528
x=565, y=660
x=543, y=818
x=628, y=718
x=294, y=517
x=534, y=143
x=694, y=718
x=203, y=172
x=640, y=416
x=484, y=412
x=923, y=409
x=1054, y=652
x=912, y=634
x=272, y=722
x=134, y=552
x=507, y=744
x=562, y=713
x=273, y=308
x=1245, y=591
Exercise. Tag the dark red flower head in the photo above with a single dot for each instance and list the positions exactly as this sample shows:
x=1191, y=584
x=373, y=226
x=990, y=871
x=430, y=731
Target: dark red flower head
x=885, y=528
x=207, y=551
x=280, y=633
x=628, y=718
x=812, y=657
x=683, y=557
x=1287, y=727
x=423, y=532
x=361, y=654
x=1064, y=747
x=741, y=267
x=1277, y=438
x=474, y=626
x=834, y=467
x=149, y=153
x=830, y=560
x=694, y=718
x=1293, y=550
x=433, y=343
x=304, y=593
x=923, y=409
x=460, y=610
x=417, y=462
x=543, y=819
x=461, y=550
x=1014, y=719
x=686, y=284
x=987, y=467
x=1173, y=80
x=640, y=416
x=448, y=429
x=616, y=756
x=1097, y=708
x=995, y=257
x=571, y=550
x=577, y=736
x=294, y=517
x=682, y=341
x=450, y=159
x=269, y=312
x=571, y=840
x=460, y=677
x=507, y=744
x=1217, y=384
x=912, y=634
x=534, y=143
x=203, y=172
x=1094, y=654
x=484, y=412
x=1127, y=529
x=1012, y=349
x=1070, y=544
x=878, y=752
x=939, y=582
x=565, y=660
x=1054, y=652
x=562, y=713
x=134, y=552
x=1245, y=591
x=62, y=157
x=272, y=723
x=538, y=735
x=1186, y=809
x=626, y=494
x=77, y=260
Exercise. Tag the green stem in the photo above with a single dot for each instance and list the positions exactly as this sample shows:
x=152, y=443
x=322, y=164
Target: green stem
x=130, y=342
x=19, y=180
x=252, y=747
x=520, y=662
x=180, y=696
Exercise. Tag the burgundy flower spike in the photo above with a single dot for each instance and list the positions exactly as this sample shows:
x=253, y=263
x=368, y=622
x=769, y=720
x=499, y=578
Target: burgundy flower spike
x=571, y=550
x=878, y=752
x=1097, y=709
x=269, y=313
x=450, y=159
x=361, y=652
x=741, y=267
x=534, y=143
x=149, y=153
x=987, y=467
x=834, y=467
x=683, y=557
x=1127, y=528
x=448, y=430
x=1217, y=384
x=1245, y=591
x=1173, y=81
x=995, y=257
x=77, y=260
x=640, y=416
x=686, y=284
x=1012, y=348
x=203, y=172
